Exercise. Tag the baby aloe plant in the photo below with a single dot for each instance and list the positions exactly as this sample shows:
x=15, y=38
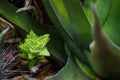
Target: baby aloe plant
x=33, y=49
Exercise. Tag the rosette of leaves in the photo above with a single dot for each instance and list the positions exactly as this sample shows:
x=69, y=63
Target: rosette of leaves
x=99, y=51
x=33, y=49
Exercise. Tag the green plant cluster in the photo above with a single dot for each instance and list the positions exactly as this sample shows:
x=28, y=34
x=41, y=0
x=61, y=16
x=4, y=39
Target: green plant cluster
x=88, y=47
x=33, y=49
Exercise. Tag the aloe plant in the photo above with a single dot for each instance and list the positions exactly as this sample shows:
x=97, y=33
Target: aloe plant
x=79, y=30
x=91, y=44
x=33, y=49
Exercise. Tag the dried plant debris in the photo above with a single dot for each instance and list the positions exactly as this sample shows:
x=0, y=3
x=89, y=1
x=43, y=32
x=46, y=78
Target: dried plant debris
x=8, y=64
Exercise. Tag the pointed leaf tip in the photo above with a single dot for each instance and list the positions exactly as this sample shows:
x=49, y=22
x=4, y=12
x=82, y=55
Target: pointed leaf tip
x=105, y=57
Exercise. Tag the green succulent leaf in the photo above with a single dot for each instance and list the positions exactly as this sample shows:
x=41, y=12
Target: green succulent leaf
x=68, y=38
x=70, y=72
x=33, y=49
x=44, y=52
x=73, y=20
x=103, y=10
x=85, y=68
x=105, y=55
x=35, y=46
x=86, y=3
x=32, y=35
x=112, y=25
x=72, y=24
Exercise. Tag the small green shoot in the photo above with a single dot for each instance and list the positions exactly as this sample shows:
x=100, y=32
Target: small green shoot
x=33, y=49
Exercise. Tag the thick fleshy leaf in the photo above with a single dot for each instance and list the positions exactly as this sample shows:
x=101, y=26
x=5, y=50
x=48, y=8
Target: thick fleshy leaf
x=105, y=55
x=34, y=46
x=73, y=20
x=87, y=2
x=27, y=23
x=71, y=71
x=44, y=52
x=65, y=35
x=85, y=68
x=103, y=8
x=112, y=25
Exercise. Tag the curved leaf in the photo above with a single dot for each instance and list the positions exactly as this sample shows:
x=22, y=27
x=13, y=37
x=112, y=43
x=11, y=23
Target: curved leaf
x=73, y=20
x=70, y=72
x=65, y=35
x=105, y=55
x=85, y=68
x=103, y=9
x=112, y=25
